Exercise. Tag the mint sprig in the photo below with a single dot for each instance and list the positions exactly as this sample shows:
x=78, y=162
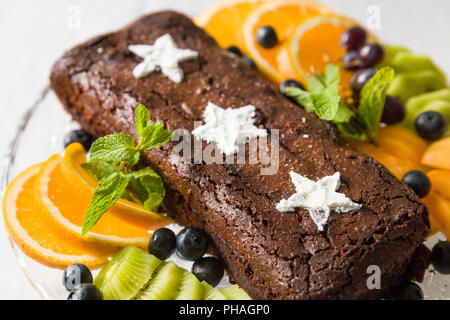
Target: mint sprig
x=110, y=160
x=324, y=100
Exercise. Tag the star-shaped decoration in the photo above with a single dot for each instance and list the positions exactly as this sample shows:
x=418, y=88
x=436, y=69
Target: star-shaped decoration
x=318, y=197
x=164, y=56
x=228, y=127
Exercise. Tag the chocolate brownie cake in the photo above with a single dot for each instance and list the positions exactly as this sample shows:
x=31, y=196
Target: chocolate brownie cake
x=272, y=255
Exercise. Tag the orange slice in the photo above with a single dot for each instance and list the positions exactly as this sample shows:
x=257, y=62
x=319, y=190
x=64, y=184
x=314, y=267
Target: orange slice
x=284, y=16
x=74, y=157
x=438, y=154
x=316, y=43
x=66, y=201
x=36, y=233
x=224, y=20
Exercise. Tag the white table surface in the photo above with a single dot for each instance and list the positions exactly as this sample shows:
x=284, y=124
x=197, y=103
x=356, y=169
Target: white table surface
x=34, y=34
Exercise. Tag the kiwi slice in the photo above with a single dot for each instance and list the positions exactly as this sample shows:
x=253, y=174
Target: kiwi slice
x=210, y=293
x=165, y=283
x=235, y=293
x=190, y=288
x=126, y=273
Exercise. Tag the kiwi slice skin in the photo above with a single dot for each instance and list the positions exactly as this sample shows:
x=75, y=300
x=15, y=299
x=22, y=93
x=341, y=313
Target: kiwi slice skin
x=210, y=293
x=165, y=283
x=126, y=273
x=235, y=293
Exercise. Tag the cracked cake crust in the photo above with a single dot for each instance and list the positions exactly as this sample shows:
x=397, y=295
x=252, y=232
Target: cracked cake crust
x=272, y=255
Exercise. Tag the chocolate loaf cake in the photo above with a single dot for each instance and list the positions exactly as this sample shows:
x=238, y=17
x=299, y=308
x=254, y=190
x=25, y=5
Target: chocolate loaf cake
x=272, y=255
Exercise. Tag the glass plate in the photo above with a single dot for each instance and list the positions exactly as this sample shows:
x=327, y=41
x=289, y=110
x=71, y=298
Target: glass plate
x=40, y=134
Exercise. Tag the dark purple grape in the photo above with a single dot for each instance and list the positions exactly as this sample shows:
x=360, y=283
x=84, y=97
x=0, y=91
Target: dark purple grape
x=350, y=61
x=394, y=110
x=371, y=54
x=360, y=78
x=353, y=38
x=267, y=37
x=431, y=125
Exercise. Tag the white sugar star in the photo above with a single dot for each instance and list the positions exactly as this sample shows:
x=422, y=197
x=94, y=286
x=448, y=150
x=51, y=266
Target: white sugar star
x=319, y=198
x=227, y=127
x=163, y=55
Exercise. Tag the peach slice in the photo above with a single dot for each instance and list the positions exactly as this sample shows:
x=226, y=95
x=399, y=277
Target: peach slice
x=438, y=155
x=405, y=135
x=440, y=182
x=439, y=209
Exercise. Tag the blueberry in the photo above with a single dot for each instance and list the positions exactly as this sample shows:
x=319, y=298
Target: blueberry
x=409, y=291
x=81, y=136
x=290, y=83
x=418, y=181
x=249, y=61
x=431, y=125
x=267, y=37
x=192, y=243
x=86, y=291
x=208, y=269
x=235, y=50
x=163, y=243
x=76, y=274
x=394, y=110
x=440, y=257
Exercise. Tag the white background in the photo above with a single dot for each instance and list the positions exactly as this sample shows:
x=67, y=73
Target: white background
x=33, y=34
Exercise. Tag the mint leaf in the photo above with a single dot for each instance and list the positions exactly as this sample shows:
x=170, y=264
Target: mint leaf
x=343, y=114
x=99, y=169
x=154, y=135
x=300, y=96
x=372, y=99
x=108, y=191
x=142, y=118
x=326, y=102
x=115, y=148
x=149, y=185
x=351, y=131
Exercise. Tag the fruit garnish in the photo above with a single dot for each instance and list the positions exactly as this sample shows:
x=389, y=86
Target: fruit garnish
x=283, y=17
x=36, y=232
x=370, y=55
x=418, y=181
x=353, y=38
x=235, y=293
x=118, y=150
x=210, y=293
x=324, y=100
x=224, y=20
x=439, y=208
x=266, y=37
x=80, y=136
x=86, y=291
x=76, y=274
x=67, y=200
x=440, y=182
x=440, y=257
x=409, y=291
x=317, y=42
x=431, y=125
x=163, y=243
x=393, y=111
x=192, y=243
x=164, y=284
x=208, y=269
x=438, y=154
x=127, y=272
x=190, y=288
